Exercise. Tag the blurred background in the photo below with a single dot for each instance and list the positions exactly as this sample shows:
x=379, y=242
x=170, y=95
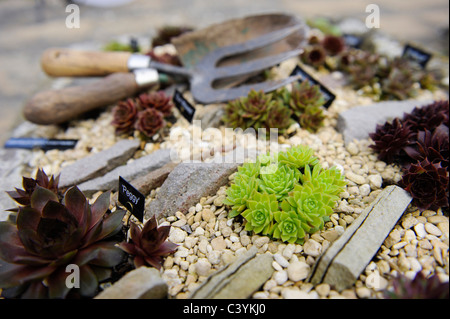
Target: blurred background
x=29, y=27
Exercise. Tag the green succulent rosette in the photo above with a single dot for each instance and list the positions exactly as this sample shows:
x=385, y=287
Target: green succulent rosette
x=330, y=180
x=288, y=227
x=298, y=157
x=279, y=180
x=239, y=193
x=285, y=195
x=259, y=214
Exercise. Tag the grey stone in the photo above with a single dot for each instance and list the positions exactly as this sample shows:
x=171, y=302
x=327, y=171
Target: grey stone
x=140, y=283
x=238, y=280
x=138, y=167
x=11, y=172
x=210, y=115
x=349, y=255
x=358, y=122
x=186, y=184
x=98, y=163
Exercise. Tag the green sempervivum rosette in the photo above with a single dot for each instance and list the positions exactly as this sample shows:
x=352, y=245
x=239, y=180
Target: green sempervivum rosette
x=260, y=213
x=239, y=193
x=279, y=180
x=288, y=227
x=330, y=180
x=298, y=157
x=311, y=204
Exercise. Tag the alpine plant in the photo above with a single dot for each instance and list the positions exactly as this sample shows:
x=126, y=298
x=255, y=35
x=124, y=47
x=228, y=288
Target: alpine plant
x=286, y=195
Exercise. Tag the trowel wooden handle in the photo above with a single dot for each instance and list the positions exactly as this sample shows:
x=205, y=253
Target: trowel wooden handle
x=58, y=106
x=68, y=62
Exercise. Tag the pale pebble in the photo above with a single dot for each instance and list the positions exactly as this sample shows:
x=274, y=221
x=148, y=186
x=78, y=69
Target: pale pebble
x=281, y=260
x=203, y=267
x=280, y=277
x=420, y=230
x=432, y=229
x=298, y=270
x=294, y=293
x=312, y=248
x=375, y=181
x=177, y=235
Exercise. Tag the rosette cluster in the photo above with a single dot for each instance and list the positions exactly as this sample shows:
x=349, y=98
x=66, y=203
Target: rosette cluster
x=285, y=195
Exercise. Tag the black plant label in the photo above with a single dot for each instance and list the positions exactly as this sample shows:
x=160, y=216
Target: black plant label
x=417, y=55
x=329, y=97
x=131, y=198
x=42, y=143
x=186, y=108
x=352, y=40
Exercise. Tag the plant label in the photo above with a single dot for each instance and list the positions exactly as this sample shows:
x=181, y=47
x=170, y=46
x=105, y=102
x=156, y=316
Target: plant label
x=186, y=108
x=329, y=97
x=42, y=143
x=417, y=55
x=131, y=198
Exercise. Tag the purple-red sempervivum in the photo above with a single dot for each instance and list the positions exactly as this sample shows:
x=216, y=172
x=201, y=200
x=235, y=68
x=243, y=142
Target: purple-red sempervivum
x=390, y=139
x=148, y=245
x=428, y=117
x=51, y=235
x=157, y=100
x=431, y=145
x=427, y=183
x=124, y=115
x=149, y=122
x=22, y=196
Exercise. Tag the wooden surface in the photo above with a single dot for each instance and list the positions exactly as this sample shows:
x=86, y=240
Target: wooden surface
x=58, y=106
x=67, y=62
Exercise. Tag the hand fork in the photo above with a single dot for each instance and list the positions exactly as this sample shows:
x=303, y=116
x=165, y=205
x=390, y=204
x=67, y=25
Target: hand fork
x=58, y=106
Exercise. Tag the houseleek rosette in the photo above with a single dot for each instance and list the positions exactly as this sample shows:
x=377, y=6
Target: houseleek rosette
x=288, y=227
x=260, y=213
x=239, y=193
x=279, y=181
x=298, y=157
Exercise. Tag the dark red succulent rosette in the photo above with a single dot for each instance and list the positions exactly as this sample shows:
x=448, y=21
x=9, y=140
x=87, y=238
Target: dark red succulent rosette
x=390, y=139
x=124, y=115
x=149, y=122
x=428, y=117
x=157, y=100
x=148, y=245
x=428, y=184
x=333, y=44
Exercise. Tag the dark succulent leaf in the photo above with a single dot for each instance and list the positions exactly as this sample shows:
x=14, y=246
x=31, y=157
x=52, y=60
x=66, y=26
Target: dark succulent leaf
x=15, y=274
x=112, y=224
x=108, y=255
x=10, y=244
x=100, y=207
x=88, y=281
x=101, y=273
x=428, y=117
x=77, y=204
x=124, y=115
x=36, y=290
x=41, y=196
x=57, y=287
x=418, y=288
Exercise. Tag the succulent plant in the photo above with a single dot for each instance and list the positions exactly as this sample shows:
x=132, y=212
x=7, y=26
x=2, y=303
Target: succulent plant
x=432, y=146
x=420, y=287
x=391, y=138
x=427, y=183
x=239, y=193
x=51, y=234
x=124, y=115
x=298, y=157
x=305, y=96
x=398, y=83
x=148, y=245
x=278, y=116
x=157, y=100
x=312, y=119
x=259, y=214
x=428, y=117
x=280, y=182
x=149, y=122
x=281, y=196
x=314, y=55
x=311, y=204
x=22, y=196
x=333, y=44
x=166, y=58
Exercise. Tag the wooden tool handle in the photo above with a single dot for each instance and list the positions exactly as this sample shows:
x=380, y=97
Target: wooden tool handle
x=58, y=106
x=68, y=62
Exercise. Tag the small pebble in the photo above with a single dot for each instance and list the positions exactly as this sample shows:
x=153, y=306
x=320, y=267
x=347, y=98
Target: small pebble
x=312, y=248
x=420, y=230
x=432, y=229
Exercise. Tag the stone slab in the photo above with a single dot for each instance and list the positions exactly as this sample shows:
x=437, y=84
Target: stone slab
x=98, y=164
x=186, y=184
x=140, y=283
x=140, y=166
x=358, y=122
x=238, y=280
x=348, y=256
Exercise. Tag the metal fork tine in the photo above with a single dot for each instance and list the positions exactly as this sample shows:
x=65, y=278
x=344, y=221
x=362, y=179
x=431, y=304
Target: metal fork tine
x=212, y=58
x=209, y=95
x=254, y=65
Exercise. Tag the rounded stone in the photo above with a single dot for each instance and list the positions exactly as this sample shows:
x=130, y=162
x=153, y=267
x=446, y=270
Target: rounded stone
x=298, y=270
x=203, y=267
x=312, y=248
x=432, y=229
